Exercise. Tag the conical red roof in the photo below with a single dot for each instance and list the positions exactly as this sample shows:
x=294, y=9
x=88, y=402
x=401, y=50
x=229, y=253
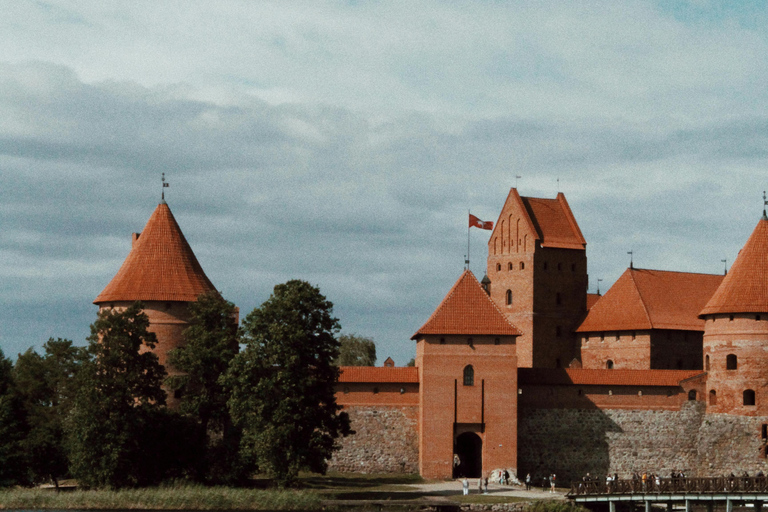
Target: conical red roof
x=745, y=288
x=467, y=309
x=161, y=266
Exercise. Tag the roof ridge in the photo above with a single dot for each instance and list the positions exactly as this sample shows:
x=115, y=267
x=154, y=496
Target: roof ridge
x=570, y=218
x=642, y=297
x=676, y=271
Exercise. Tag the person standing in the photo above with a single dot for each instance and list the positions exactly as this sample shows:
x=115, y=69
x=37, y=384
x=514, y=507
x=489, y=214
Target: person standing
x=465, y=486
x=528, y=482
x=552, y=480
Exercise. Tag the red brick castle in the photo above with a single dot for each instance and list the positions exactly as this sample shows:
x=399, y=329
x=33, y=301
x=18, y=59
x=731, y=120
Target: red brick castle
x=528, y=372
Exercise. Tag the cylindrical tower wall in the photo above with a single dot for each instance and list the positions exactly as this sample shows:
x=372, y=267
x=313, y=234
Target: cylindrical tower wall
x=736, y=360
x=168, y=321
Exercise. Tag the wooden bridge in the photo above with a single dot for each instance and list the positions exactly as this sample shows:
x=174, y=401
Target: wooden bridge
x=671, y=492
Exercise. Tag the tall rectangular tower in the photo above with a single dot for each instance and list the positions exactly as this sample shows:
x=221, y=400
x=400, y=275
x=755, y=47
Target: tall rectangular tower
x=537, y=264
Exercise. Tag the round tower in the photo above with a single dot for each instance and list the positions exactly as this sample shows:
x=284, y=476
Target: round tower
x=161, y=271
x=736, y=333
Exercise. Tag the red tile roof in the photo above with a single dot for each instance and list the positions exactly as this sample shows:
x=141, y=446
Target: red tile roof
x=161, y=266
x=402, y=374
x=554, y=222
x=592, y=299
x=745, y=288
x=467, y=309
x=652, y=299
x=561, y=376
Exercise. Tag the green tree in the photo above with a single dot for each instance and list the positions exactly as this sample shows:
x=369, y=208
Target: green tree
x=283, y=383
x=356, y=350
x=116, y=407
x=211, y=341
x=13, y=429
x=412, y=362
x=45, y=387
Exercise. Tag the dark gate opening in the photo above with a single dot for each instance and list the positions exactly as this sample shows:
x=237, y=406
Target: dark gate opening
x=469, y=448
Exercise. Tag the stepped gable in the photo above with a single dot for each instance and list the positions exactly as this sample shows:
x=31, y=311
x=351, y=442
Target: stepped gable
x=602, y=377
x=652, y=299
x=554, y=222
x=468, y=310
x=160, y=267
x=745, y=288
x=379, y=374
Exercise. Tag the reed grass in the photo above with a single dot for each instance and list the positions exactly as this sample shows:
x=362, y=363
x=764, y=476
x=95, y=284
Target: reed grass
x=162, y=498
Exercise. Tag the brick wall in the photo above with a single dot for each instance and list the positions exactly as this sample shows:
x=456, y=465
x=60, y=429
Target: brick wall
x=385, y=441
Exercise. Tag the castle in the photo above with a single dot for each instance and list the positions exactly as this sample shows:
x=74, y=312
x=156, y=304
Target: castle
x=526, y=371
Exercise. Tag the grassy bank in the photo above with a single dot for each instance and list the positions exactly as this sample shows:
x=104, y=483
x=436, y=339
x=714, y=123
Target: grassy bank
x=164, y=498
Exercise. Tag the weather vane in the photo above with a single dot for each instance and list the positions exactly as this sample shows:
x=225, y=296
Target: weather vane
x=517, y=178
x=725, y=267
x=631, y=259
x=165, y=184
x=598, y=286
x=765, y=203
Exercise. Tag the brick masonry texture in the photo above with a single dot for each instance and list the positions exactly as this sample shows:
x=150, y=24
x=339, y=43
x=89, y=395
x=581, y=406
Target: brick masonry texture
x=386, y=440
x=573, y=442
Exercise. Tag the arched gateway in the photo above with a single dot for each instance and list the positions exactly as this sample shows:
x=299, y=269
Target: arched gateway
x=469, y=448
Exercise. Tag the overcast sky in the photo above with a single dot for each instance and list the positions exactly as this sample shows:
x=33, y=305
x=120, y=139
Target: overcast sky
x=344, y=142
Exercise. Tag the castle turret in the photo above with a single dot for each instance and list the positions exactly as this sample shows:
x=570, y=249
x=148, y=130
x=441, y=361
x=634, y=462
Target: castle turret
x=537, y=264
x=162, y=271
x=736, y=333
x=466, y=356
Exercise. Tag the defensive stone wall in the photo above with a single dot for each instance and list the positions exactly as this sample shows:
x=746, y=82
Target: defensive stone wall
x=730, y=443
x=386, y=440
x=572, y=442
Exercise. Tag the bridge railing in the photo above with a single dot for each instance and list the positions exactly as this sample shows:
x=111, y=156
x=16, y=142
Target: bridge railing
x=671, y=485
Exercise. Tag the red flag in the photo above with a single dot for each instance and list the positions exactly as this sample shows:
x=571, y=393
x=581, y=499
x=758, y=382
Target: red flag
x=474, y=222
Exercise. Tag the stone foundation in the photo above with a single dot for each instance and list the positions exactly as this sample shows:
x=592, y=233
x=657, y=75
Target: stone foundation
x=386, y=440
x=572, y=442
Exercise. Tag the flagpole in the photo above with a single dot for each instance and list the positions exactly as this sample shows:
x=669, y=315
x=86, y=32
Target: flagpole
x=467, y=262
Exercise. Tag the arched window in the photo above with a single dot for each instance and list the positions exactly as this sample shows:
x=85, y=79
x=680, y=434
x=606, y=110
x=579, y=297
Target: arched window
x=469, y=375
x=510, y=266
x=712, y=397
x=509, y=297
x=522, y=265
x=706, y=363
x=749, y=397
x=609, y=364
x=498, y=267
x=692, y=394
x=731, y=362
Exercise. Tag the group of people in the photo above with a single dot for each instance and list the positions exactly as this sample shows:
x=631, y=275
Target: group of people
x=652, y=482
x=482, y=485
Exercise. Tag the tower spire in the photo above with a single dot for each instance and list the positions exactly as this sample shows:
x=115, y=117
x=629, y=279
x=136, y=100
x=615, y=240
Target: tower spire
x=765, y=203
x=162, y=194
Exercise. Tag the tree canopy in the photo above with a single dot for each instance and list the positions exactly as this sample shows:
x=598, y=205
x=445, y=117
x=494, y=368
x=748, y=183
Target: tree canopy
x=282, y=384
x=13, y=429
x=210, y=343
x=45, y=386
x=355, y=350
x=114, y=422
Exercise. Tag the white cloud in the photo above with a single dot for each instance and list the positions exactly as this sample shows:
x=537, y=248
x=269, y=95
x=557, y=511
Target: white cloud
x=343, y=144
